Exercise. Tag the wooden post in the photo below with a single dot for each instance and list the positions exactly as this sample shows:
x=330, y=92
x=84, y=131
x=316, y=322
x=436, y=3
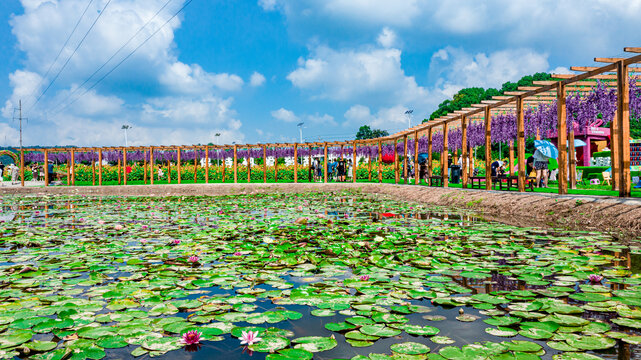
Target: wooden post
x=68, y=172
x=73, y=167
x=572, y=158
x=309, y=164
x=168, y=171
x=151, y=164
x=562, y=138
x=275, y=165
x=264, y=163
x=249, y=166
x=511, y=157
x=206, y=164
x=46, y=169
x=488, y=149
x=22, y=167
x=369, y=165
x=100, y=167
x=195, y=165
x=354, y=162
x=325, y=163
x=430, y=134
x=124, y=164
x=380, y=162
x=144, y=166
x=405, y=173
x=520, y=142
x=119, y=171
x=179, y=166
x=223, y=163
x=395, y=161
x=93, y=169
x=295, y=163
x=465, y=155
x=615, y=156
x=623, y=120
x=444, y=165
x=470, y=154
x=235, y=163
x=416, y=170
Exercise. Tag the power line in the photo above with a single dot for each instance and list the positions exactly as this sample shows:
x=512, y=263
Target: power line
x=61, y=49
x=126, y=57
x=71, y=56
x=116, y=53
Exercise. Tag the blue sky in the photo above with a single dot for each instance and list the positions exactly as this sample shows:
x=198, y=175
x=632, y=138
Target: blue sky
x=250, y=70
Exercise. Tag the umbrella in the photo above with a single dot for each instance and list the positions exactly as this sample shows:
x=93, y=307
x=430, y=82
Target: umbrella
x=578, y=143
x=546, y=148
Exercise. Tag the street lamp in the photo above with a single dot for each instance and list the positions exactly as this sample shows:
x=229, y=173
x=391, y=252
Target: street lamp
x=126, y=127
x=409, y=113
x=216, y=136
x=300, y=129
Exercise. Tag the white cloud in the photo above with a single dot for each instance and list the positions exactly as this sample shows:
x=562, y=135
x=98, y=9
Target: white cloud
x=387, y=38
x=455, y=69
x=325, y=119
x=397, y=12
x=285, y=115
x=391, y=118
x=348, y=75
x=166, y=100
x=257, y=79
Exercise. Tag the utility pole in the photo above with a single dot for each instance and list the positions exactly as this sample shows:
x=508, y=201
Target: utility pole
x=20, y=118
x=125, y=127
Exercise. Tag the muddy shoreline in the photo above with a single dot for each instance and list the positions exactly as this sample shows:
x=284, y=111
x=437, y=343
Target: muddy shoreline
x=621, y=217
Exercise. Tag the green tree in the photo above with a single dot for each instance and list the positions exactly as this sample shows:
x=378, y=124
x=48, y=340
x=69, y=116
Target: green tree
x=468, y=96
x=365, y=132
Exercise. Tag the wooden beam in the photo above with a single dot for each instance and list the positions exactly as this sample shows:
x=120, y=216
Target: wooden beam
x=264, y=163
x=623, y=120
x=46, y=169
x=325, y=163
x=520, y=142
x=608, y=60
x=561, y=139
x=444, y=164
x=488, y=149
x=465, y=154
x=206, y=164
x=100, y=167
x=151, y=164
x=124, y=163
x=395, y=162
x=295, y=163
x=416, y=172
x=235, y=163
x=353, y=162
x=430, y=135
x=571, y=159
x=632, y=49
x=380, y=161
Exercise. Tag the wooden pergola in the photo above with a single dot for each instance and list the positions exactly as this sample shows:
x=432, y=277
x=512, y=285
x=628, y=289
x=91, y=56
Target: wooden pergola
x=614, y=74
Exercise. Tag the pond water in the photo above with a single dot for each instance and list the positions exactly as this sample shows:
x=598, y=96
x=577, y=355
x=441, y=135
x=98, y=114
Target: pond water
x=323, y=276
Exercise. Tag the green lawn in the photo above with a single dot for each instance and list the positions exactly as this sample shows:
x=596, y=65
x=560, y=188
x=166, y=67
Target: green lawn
x=583, y=190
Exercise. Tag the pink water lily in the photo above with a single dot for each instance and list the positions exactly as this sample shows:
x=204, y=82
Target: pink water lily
x=144, y=241
x=249, y=337
x=193, y=259
x=175, y=241
x=191, y=337
x=145, y=227
x=238, y=253
x=118, y=227
x=364, y=277
x=595, y=279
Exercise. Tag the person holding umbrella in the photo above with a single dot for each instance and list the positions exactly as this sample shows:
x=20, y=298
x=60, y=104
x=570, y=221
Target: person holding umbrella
x=541, y=166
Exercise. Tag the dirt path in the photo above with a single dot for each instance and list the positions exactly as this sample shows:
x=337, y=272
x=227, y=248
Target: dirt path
x=622, y=217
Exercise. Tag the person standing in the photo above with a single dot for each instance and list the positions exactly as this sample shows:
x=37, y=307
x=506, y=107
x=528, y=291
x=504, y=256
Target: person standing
x=1, y=171
x=541, y=166
x=14, y=173
x=50, y=171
